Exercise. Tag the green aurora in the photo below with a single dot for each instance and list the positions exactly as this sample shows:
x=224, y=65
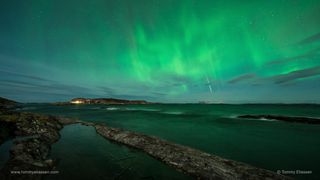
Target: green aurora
x=161, y=50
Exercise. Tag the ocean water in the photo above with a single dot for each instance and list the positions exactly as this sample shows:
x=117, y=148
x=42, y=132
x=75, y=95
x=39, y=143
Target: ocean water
x=83, y=154
x=272, y=145
x=4, y=152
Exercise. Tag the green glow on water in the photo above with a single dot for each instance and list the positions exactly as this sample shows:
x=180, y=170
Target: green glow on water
x=83, y=154
x=271, y=145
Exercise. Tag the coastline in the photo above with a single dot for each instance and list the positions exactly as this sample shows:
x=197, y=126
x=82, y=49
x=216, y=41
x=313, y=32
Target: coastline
x=32, y=136
x=42, y=131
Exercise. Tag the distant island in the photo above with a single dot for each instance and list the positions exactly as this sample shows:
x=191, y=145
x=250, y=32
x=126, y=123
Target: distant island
x=106, y=101
x=81, y=100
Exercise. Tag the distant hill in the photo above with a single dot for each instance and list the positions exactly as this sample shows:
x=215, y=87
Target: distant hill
x=106, y=101
x=6, y=102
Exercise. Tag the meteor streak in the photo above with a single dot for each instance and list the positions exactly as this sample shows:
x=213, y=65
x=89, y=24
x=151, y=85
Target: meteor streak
x=209, y=85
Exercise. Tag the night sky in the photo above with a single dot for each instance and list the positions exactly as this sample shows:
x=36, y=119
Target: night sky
x=161, y=50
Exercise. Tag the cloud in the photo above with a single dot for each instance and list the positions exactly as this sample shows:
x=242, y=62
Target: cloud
x=133, y=97
x=158, y=93
x=43, y=87
x=310, y=39
x=171, y=79
x=8, y=73
x=136, y=95
x=295, y=75
x=17, y=90
x=37, y=84
x=241, y=78
x=311, y=54
x=107, y=90
x=18, y=83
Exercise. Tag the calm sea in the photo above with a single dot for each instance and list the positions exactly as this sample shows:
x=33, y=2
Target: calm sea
x=272, y=145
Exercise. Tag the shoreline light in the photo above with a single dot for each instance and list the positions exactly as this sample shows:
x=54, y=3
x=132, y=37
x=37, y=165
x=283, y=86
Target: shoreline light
x=76, y=102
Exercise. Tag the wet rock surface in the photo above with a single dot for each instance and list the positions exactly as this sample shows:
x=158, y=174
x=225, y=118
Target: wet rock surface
x=67, y=121
x=196, y=163
x=304, y=120
x=34, y=134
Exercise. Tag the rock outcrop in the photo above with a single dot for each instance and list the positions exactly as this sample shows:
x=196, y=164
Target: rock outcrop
x=33, y=136
x=6, y=104
x=305, y=120
x=4, y=101
x=196, y=163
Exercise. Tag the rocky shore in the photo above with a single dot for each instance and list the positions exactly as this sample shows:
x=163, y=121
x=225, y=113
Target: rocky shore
x=6, y=102
x=193, y=162
x=304, y=120
x=33, y=134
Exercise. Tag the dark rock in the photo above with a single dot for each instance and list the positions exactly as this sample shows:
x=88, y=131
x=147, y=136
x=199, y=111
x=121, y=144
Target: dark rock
x=305, y=120
x=6, y=104
x=29, y=155
x=67, y=121
x=196, y=163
